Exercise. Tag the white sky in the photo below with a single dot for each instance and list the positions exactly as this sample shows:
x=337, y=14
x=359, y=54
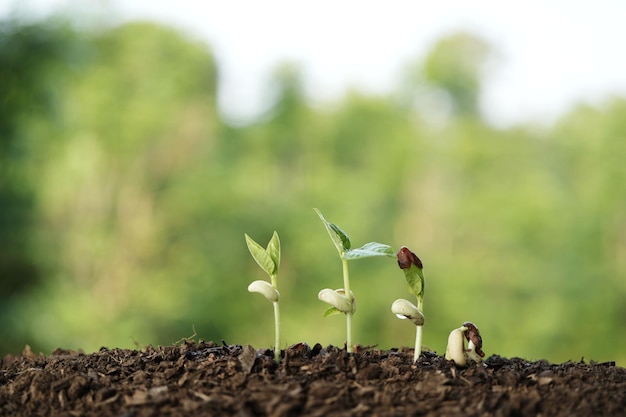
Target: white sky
x=552, y=53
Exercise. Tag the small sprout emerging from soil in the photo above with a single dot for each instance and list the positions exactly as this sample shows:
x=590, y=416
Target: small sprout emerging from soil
x=412, y=267
x=338, y=300
x=456, y=351
x=269, y=260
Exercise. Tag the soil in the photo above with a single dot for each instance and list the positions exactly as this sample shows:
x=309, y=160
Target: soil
x=205, y=378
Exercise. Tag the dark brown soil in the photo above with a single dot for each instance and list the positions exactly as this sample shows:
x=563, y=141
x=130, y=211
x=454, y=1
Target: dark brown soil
x=196, y=379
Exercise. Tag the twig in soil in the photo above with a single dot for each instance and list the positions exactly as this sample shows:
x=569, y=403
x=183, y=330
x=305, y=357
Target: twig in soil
x=187, y=339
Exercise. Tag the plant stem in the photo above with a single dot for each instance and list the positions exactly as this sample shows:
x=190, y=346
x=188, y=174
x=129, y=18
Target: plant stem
x=346, y=278
x=349, y=347
x=418, y=343
x=274, y=282
x=276, y=332
x=346, y=288
x=418, y=332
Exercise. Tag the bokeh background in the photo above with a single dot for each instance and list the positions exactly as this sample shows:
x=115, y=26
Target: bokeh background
x=125, y=193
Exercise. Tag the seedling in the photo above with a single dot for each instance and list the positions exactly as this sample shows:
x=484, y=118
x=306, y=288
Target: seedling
x=412, y=267
x=456, y=351
x=342, y=300
x=269, y=260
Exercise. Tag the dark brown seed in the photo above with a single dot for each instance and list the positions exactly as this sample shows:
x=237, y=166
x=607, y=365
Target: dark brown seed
x=472, y=334
x=406, y=258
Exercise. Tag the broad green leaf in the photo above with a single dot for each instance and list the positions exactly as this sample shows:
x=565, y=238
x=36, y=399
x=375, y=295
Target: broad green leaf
x=338, y=236
x=332, y=312
x=273, y=250
x=261, y=256
x=369, y=250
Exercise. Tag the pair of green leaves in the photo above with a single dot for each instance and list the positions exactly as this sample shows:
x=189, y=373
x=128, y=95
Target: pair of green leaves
x=269, y=260
x=343, y=244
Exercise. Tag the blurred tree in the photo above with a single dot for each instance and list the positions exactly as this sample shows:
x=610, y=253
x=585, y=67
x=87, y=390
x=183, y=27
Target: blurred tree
x=450, y=77
x=286, y=93
x=131, y=125
x=288, y=116
x=456, y=65
x=34, y=60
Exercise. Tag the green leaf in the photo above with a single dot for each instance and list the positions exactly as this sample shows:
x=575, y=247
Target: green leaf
x=273, y=250
x=412, y=267
x=345, y=240
x=338, y=236
x=261, y=256
x=369, y=250
x=415, y=280
x=332, y=312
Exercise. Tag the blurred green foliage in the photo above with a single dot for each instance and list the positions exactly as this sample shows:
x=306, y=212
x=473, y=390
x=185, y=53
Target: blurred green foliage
x=124, y=198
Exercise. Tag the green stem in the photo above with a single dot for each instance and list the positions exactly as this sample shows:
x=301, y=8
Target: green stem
x=346, y=288
x=346, y=278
